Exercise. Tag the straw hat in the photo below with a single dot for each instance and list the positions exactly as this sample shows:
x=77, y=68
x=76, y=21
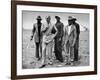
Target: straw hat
x=71, y=18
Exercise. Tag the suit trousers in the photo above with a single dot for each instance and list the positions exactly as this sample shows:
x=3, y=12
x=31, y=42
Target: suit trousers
x=58, y=49
x=38, y=47
x=76, y=50
x=70, y=50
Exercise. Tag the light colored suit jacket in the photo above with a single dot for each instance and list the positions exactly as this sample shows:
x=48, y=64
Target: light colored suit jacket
x=71, y=38
x=36, y=33
x=48, y=36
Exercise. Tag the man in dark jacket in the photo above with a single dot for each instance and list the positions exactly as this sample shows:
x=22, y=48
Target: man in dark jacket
x=77, y=39
x=58, y=39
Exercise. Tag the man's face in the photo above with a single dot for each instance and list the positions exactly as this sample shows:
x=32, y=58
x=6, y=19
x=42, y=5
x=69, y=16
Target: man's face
x=69, y=22
x=48, y=19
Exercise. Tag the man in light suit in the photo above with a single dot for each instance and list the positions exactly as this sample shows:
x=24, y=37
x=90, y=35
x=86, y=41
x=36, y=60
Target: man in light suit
x=47, y=42
x=37, y=33
x=70, y=38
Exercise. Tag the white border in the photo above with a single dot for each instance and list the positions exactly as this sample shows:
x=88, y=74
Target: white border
x=21, y=71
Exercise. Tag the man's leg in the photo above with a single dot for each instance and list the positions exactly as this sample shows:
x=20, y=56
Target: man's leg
x=72, y=53
x=50, y=45
x=76, y=51
x=60, y=51
x=37, y=50
x=40, y=50
x=43, y=55
x=55, y=49
x=67, y=53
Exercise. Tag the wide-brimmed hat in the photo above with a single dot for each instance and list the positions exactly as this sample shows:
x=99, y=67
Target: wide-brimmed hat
x=71, y=18
x=57, y=17
x=39, y=18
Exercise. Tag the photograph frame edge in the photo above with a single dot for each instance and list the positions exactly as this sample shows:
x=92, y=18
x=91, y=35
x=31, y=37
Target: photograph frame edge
x=14, y=40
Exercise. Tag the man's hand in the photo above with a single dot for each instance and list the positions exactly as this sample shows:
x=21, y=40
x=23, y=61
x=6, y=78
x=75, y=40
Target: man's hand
x=31, y=38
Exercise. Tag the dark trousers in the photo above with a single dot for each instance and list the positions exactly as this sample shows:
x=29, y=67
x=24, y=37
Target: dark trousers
x=76, y=50
x=58, y=50
x=38, y=45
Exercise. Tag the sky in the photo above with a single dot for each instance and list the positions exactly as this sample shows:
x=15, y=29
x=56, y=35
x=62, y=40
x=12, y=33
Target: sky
x=29, y=18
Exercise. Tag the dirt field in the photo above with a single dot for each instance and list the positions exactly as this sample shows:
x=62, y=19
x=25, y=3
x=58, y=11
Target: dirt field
x=28, y=54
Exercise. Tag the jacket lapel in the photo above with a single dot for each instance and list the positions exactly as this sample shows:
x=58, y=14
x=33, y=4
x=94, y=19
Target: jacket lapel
x=71, y=29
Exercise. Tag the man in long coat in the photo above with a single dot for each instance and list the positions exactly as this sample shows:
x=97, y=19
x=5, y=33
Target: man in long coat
x=37, y=33
x=58, y=39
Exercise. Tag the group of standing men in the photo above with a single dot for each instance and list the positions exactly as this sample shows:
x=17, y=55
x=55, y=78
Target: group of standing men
x=62, y=37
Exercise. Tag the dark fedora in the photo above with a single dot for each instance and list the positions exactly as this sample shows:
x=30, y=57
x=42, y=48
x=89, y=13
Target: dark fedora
x=57, y=17
x=39, y=18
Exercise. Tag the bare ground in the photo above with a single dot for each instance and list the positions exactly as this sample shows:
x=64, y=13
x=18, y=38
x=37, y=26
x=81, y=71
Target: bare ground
x=29, y=61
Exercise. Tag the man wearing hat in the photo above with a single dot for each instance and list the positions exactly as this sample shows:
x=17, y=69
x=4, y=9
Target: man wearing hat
x=58, y=39
x=77, y=39
x=37, y=33
x=70, y=36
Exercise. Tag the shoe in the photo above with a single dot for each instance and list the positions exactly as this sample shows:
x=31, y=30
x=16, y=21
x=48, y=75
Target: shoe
x=43, y=66
x=51, y=63
x=68, y=63
x=61, y=64
x=71, y=60
x=72, y=64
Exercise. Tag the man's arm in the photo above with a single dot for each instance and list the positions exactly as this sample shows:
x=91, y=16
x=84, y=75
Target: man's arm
x=64, y=36
x=75, y=36
x=33, y=31
x=62, y=30
x=78, y=28
x=54, y=31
